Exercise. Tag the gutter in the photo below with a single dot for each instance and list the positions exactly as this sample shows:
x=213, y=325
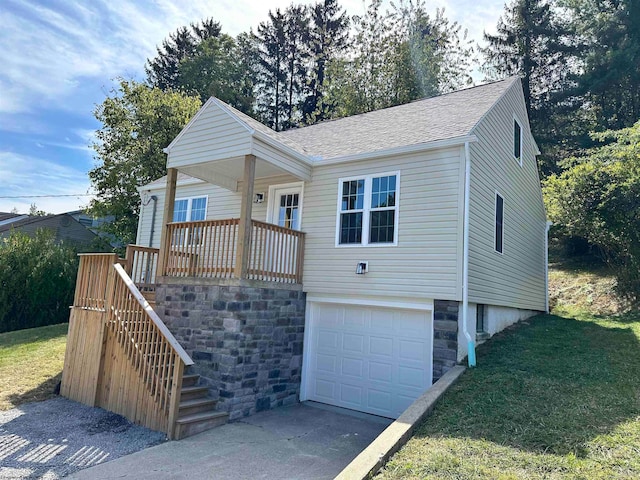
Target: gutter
x=471, y=347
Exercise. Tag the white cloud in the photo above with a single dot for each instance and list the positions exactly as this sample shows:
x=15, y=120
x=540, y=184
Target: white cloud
x=27, y=175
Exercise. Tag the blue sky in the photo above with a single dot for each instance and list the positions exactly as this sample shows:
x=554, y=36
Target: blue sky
x=59, y=59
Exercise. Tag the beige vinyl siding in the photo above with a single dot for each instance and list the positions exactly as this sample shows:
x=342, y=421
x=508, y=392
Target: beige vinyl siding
x=516, y=277
x=425, y=263
x=221, y=204
x=213, y=135
x=285, y=162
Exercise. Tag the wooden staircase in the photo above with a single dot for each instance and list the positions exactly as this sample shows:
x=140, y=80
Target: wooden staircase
x=196, y=412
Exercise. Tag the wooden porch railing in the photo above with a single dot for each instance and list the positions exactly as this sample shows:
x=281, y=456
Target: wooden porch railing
x=276, y=253
x=141, y=263
x=208, y=249
x=120, y=355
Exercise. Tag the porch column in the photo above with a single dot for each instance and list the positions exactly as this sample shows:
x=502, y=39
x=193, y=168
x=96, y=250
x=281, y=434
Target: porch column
x=167, y=217
x=244, y=229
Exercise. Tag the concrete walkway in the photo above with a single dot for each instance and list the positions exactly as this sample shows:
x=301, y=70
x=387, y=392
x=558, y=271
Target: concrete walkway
x=296, y=442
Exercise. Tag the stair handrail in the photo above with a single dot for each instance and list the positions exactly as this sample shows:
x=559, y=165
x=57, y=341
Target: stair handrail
x=184, y=356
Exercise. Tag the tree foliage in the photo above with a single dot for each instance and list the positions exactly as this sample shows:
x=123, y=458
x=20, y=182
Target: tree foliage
x=163, y=71
x=138, y=122
x=598, y=198
x=399, y=56
x=214, y=70
x=533, y=41
x=37, y=280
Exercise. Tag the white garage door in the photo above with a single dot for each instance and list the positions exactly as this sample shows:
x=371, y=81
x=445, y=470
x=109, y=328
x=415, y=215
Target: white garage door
x=372, y=359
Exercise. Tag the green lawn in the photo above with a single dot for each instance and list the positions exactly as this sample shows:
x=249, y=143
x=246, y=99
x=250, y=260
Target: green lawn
x=30, y=364
x=555, y=397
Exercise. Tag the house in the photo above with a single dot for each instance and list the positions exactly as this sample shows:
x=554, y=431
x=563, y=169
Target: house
x=350, y=262
x=65, y=228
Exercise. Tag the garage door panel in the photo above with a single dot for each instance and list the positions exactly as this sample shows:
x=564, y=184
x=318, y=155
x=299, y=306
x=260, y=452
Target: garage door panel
x=364, y=362
x=381, y=346
x=353, y=342
x=380, y=372
x=353, y=367
x=411, y=350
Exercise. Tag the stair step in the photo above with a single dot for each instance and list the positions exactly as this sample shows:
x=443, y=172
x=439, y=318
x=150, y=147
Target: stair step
x=197, y=405
x=199, y=422
x=191, y=393
x=190, y=380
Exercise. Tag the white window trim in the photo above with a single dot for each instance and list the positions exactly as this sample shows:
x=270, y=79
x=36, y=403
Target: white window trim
x=366, y=211
x=271, y=198
x=189, y=203
x=515, y=119
x=495, y=216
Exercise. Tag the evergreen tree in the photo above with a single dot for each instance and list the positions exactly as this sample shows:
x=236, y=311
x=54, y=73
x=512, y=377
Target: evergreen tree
x=328, y=38
x=533, y=42
x=271, y=80
x=163, y=70
x=609, y=80
x=217, y=68
x=297, y=54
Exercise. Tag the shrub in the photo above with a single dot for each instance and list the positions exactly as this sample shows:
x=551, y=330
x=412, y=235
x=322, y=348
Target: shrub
x=37, y=280
x=598, y=198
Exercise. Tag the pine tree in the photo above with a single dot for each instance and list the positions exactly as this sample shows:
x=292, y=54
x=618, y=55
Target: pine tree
x=271, y=70
x=328, y=38
x=534, y=43
x=163, y=70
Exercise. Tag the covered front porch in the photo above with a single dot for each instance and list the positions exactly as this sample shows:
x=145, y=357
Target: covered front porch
x=240, y=247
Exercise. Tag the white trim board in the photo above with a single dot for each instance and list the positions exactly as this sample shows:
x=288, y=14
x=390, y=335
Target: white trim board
x=406, y=305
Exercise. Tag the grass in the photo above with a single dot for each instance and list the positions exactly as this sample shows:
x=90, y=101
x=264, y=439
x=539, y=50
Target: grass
x=584, y=284
x=30, y=364
x=555, y=397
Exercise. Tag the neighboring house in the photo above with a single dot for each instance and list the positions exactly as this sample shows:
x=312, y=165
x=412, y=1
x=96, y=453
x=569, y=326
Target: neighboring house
x=364, y=308
x=95, y=224
x=64, y=226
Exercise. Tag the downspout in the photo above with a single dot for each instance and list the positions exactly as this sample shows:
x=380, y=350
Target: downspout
x=471, y=346
x=546, y=266
x=153, y=219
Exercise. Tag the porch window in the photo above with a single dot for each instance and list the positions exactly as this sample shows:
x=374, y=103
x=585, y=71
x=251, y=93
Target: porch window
x=190, y=209
x=368, y=210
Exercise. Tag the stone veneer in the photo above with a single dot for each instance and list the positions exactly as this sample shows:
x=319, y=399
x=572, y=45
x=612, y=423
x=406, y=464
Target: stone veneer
x=445, y=336
x=245, y=338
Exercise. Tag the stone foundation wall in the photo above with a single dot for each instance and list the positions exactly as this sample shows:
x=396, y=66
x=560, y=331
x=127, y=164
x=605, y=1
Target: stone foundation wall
x=245, y=339
x=445, y=336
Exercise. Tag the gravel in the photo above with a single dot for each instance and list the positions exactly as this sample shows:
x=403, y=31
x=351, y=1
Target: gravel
x=51, y=439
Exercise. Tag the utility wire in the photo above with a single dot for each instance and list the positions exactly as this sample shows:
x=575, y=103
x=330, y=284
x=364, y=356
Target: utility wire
x=49, y=196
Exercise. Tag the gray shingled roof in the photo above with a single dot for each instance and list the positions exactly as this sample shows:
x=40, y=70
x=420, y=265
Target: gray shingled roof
x=437, y=118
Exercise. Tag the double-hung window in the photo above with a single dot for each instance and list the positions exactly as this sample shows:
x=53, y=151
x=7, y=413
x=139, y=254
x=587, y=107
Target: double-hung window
x=189, y=210
x=368, y=210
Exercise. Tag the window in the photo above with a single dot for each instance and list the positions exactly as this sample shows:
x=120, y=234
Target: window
x=499, y=231
x=517, y=141
x=481, y=316
x=368, y=210
x=190, y=209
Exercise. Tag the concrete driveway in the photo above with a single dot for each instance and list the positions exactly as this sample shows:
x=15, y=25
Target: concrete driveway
x=297, y=442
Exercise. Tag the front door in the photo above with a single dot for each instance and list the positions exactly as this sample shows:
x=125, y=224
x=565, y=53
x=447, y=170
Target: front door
x=285, y=206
